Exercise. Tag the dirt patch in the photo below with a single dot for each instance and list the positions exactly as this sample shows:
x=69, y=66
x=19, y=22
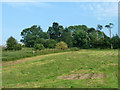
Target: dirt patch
x=103, y=54
x=95, y=76
x=110, y=54
x=113, y=64
x=83, y=76
x=6, y=68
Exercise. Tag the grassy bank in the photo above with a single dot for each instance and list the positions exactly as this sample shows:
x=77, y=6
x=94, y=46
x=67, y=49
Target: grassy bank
x=28, y=52
x=45, y=71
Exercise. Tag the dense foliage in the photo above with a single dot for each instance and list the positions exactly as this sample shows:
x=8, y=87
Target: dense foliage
x=79, y=36
x=32, y=35
x=50, y=43
x=115, y=41
x=39, y=47
x=12, y=44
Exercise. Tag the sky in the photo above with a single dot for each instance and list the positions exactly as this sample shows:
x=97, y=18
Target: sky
x=17, y=16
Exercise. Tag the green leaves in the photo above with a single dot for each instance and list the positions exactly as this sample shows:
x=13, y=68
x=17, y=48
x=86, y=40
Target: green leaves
x=74, y=36
x=39, y=47
x=55, y=31
x=80, y=39
x=50, y=43
x=30, y=35
x=115, y=41
x=12, y=44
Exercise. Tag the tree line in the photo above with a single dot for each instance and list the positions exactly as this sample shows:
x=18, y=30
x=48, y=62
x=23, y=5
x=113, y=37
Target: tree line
x=73, y=36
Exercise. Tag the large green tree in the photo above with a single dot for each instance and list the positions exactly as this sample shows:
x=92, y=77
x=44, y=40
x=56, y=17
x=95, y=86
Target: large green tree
x=89, y=31
x=115, y=41
x=74, y=36
x=30, y=35
x=99, y=28
x=55, y=31
x=80, y=39
x=12, y=44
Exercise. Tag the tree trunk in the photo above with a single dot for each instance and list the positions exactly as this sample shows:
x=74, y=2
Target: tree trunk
x=71, y=34
x=49, y=36
x=110, y=38
x=102, y=35
x=97, y=35
x=110, y=33
x=89, y=39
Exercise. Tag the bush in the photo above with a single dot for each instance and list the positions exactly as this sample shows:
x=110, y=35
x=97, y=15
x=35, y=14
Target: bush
x=39, y=47
x=18, y=47
x=61, y=45
x=74, y=49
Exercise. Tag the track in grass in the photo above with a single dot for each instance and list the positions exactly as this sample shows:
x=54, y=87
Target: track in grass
x=44, y=71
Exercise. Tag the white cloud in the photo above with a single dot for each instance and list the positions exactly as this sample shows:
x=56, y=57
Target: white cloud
x=104, y=10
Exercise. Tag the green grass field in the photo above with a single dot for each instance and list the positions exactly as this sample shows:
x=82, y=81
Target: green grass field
x=45, y=71
x=28, y=52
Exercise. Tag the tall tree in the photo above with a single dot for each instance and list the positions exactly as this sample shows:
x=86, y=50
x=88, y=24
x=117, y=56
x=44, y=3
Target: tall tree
x=89, y=31
x=110, y=26
x=12, y=44
x=55, y=31
x=99, y=27
x=77, y=27
x=29, y=35
x=116, y=41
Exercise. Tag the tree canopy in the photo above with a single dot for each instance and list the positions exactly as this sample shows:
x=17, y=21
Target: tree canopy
x=74, y=36
x=12, y=44
x=31, y=35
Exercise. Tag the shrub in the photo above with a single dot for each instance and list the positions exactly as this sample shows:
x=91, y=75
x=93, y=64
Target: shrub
x=39, y=47
x=74, y=49
x=18, y=47
x=23, y=45
x=61, y=45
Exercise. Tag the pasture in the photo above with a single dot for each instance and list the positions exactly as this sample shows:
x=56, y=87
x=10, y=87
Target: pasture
x=73, y=69
x=28, y=52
